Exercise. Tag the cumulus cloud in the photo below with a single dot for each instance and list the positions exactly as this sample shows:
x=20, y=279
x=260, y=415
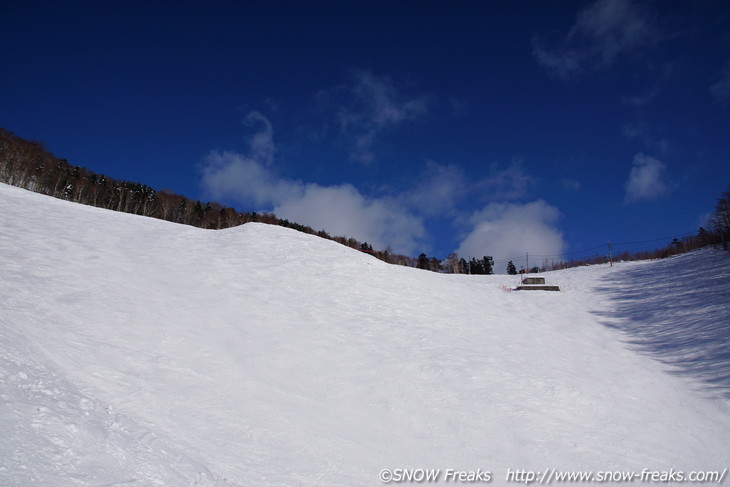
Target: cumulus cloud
x=601, y=33
x=247, y=178
x=646, y=180
x=343, y=210
x=250, y=180
x=509, y=230
x=244, y=179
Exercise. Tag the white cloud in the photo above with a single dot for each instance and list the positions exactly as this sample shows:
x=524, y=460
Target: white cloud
x=247, y=178
x=230, y=175
x=646, y=180
x=510, y=230
x=261, y=143
x=341, y=210
x=602, y=31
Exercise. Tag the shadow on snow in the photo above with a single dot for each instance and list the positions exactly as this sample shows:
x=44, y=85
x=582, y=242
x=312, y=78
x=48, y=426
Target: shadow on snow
x=678, y=311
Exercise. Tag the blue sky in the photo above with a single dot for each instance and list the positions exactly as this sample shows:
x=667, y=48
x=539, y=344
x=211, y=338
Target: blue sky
x=486, y=128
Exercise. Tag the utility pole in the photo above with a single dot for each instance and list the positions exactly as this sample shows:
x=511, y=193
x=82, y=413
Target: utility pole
x=610, y=254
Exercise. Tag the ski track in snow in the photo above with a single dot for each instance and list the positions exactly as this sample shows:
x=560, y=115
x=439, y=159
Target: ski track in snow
x=139, y=352
x=53, y=434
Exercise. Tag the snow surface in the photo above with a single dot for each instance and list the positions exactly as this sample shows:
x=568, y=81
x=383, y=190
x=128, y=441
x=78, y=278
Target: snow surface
x=138, y=352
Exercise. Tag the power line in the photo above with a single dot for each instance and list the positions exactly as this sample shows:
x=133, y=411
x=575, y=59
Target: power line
x=656, y=239
x=611, y=246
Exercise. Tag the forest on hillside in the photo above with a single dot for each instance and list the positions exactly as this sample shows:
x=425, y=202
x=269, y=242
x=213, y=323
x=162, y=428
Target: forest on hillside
x=29, y=165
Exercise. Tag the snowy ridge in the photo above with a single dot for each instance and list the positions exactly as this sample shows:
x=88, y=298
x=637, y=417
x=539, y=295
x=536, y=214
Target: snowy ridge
x=139, y=352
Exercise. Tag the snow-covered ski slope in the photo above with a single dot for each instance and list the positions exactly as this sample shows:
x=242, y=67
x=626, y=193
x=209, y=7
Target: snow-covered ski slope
x=138, y=352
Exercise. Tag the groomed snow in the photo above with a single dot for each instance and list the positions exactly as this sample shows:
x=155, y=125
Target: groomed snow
x=138, y=352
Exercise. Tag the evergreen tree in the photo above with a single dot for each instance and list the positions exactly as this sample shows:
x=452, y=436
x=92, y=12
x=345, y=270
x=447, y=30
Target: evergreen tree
x=703, y=237
x=197, y=213
x=475, y=266
x=488, y=264
x=422, y=261
x=511, y=269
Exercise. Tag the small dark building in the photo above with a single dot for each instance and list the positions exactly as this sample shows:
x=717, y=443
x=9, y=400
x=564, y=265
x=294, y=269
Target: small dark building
x=534, y=280
x=536, y=283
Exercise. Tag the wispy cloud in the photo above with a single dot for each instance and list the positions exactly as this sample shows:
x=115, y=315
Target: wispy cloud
x=438, y=190
x=261, y=143
x=368, y=107
x=250, y=180
x=641, y=100
x=571, y=184
x=601, y=33
x=638, y=130
x=507, y=183
x=561, y=62
x=647, y=179
x=509, y=230
x=442, y=188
